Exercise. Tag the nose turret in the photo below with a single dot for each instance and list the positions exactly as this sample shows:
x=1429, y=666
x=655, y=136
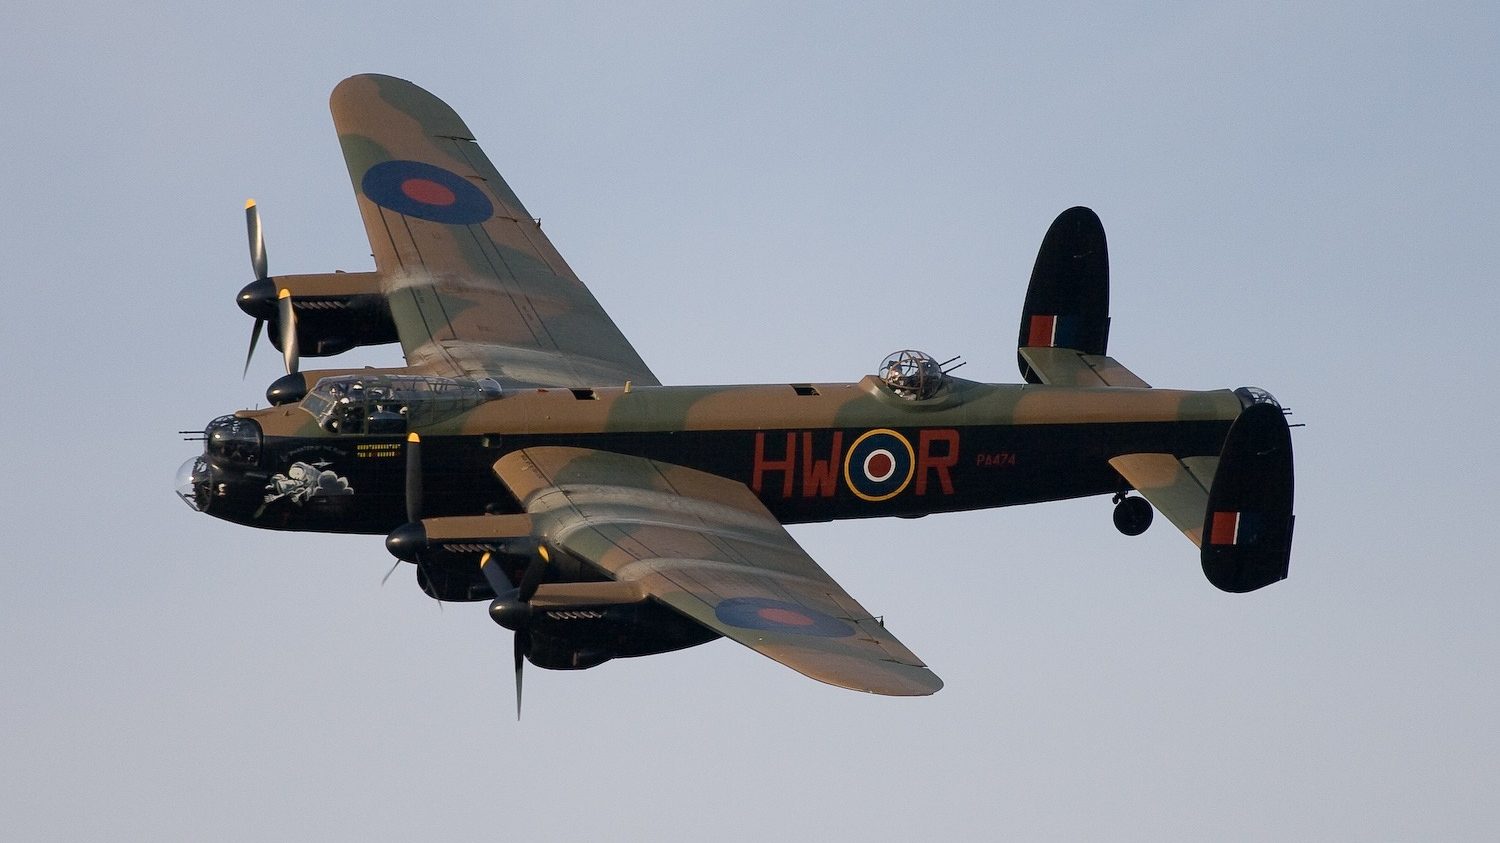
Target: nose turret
x=233, y=441
x=231, y=447
x=194, y=479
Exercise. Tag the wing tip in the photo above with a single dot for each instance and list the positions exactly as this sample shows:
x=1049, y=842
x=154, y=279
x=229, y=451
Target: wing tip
x=912, y=682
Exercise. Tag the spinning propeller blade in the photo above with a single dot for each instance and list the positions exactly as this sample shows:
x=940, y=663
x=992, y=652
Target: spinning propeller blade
x=522, y=647
x=258, y=265
x=413, y=477
x=531, y=578
x=408, y=541
x=288, y=320
x=257, y=240
x=533, y=575
x=254, y=338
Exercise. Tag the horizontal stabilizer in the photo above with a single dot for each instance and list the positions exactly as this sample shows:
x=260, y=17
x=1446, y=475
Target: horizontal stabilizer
x=1066, y=367
x=1178, y=488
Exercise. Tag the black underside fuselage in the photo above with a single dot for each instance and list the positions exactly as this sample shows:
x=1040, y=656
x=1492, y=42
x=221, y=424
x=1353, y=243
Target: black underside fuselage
x=801, y=475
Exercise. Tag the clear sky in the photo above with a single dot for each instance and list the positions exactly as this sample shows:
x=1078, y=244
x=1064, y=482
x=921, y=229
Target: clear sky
x=1300, y=199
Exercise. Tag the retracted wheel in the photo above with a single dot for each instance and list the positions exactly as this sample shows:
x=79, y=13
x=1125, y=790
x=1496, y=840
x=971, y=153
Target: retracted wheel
x=1133, y=515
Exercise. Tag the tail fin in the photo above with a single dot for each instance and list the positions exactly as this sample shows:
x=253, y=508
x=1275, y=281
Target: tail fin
x=1247, y=526
x=1237, y=507
x=1065, y=320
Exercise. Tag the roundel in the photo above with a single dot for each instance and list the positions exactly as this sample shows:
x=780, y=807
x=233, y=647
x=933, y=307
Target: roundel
x=426, y=192
x=879, y=465
x=779, y=616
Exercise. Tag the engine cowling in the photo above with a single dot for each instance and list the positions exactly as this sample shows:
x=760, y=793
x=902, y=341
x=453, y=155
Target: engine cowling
x=577, y=637
x=335, y=312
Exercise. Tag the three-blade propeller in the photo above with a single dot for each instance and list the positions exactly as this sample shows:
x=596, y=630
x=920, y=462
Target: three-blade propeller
x=256, y=297
x=512, y=609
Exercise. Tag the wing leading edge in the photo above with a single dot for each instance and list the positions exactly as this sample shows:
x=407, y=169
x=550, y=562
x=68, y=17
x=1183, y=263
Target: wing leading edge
x=706, y=546
x=475, y=288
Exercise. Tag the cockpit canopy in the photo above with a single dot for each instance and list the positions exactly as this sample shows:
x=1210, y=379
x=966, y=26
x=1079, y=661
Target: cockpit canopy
x=392, y=404
x=912, y=375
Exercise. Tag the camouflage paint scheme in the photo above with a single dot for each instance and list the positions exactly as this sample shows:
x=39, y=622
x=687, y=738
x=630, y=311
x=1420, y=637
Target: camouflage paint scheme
x=630, y=518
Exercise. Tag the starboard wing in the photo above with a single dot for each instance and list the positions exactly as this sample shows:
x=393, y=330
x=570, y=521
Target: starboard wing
x=706, y=546
x=475, y=288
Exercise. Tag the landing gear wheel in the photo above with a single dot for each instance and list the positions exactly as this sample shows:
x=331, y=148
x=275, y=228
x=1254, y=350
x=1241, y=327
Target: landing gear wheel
x=1133, y=515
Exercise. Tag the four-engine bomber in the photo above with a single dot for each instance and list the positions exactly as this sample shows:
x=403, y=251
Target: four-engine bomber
x=526, y=455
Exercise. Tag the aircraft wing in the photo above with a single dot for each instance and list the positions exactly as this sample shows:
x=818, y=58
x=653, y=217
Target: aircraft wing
x=475, y=288
x=706, y=546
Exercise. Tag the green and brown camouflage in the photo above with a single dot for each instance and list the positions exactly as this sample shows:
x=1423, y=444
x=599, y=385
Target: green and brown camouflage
x=505, y=305
x=969, y=446
x=527, y=455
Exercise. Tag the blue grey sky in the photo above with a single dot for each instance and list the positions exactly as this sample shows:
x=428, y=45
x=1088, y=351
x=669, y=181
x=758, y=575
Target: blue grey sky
x=1299, y=198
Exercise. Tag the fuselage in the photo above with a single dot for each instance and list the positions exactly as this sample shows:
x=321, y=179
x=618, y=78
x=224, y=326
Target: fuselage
x=811, y=452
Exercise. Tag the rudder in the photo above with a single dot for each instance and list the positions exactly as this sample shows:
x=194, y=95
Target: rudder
x=1247, y=527
x=1067, y=302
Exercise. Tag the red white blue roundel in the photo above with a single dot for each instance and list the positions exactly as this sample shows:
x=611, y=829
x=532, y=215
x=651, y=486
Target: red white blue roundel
x=780, y=616
x=879, y=465
x=426, y=192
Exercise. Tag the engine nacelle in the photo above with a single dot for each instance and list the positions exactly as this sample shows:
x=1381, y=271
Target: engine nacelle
x=289, y=389
x=580, y=637
x=335, y=311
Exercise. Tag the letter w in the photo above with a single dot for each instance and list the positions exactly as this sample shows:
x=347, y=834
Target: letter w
x=820, y=477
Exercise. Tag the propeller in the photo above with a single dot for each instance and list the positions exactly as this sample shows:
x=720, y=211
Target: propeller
x=288, y=320
x=407, y=541
x=512, y=606
x=413, y=477
x=257, y=240
x=257, y=297
x=254, y=338
x=259, y=266
x=512, y=609
x=522, y=646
